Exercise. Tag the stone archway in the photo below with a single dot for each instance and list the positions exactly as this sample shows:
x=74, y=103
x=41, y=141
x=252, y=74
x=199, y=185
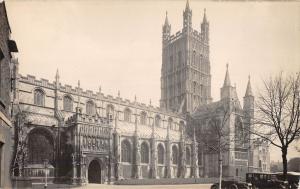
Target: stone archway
x=94, y=172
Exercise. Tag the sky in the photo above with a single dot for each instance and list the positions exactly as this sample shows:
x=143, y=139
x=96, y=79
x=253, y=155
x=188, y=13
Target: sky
x=118, y=44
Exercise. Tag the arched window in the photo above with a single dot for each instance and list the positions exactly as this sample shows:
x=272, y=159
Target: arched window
x=143, y=118
x=188, y=156
x=157, y=120
x=144, y=153
x=170, y=123
x=90, y=108
x=194, y=58
x=175, y=154
x=126, y=151
x=68, y=103
x=109, y=112
x=127, y=115
x=39, y=97
x=160, y=154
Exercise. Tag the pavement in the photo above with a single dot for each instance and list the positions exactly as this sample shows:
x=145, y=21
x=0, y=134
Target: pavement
x=106, y=186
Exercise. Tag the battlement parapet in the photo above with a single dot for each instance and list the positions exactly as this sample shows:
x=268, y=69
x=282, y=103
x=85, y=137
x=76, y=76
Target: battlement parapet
x=96, y=96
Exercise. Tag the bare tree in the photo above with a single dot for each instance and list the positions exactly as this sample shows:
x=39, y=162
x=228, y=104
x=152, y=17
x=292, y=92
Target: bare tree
x=217, y=137
x=278, y=113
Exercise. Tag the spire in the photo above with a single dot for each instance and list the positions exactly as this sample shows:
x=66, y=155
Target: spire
x=249, y=89
x=166, y=20
x=187, y=6
x=57, y=75
x=227, y=79
x=204, y=17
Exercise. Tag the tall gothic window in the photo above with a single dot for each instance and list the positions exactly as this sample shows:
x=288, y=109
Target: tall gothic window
x=174, y=154
x=188, y=156
x=68, y=103
x=90, y=108
x=179, y=59
x=144, y=153
x=109, y=112
x=39, y=97
x=143, y=118
x=160, y=154
x=194, y=58
x=126, y=151
x=127, y=115
x=157, y=121
x=170, y=123
x=171, y=64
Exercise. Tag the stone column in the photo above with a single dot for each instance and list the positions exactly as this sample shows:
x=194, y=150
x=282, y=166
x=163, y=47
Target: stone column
x=136, y=172
x=153, y=165
x=195, y=168
x=168, y=154
x=182, y=159
x=74, y=163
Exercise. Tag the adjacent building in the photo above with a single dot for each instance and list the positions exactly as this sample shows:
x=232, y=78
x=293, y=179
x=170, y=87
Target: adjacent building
x=7, y=48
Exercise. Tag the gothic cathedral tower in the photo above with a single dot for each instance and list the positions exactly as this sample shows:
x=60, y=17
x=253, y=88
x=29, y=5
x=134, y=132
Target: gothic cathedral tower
x=185, y=72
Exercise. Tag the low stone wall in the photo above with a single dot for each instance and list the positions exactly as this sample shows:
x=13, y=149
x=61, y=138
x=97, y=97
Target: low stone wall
x=166, y=181
x=22, y=182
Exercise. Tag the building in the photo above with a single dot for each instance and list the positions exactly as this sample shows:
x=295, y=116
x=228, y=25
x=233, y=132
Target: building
x=185, y=72
x=89, y=137
x=7, y=48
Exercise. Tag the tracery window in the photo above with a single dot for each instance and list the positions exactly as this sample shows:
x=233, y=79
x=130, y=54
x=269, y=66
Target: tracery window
x=194, y=58
x=39, y=97
x=188, y=156
x=109, y=112
x=90, y=108
x=170, y=123
x=174, y=154
x=144, y=153
x=68, y=103
x=127, y=115
x=157, y=121
x=160, y=154
x=126, y=151
x=143, y=118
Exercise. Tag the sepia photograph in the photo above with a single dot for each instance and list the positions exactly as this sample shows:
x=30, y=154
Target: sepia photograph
x=181, y=94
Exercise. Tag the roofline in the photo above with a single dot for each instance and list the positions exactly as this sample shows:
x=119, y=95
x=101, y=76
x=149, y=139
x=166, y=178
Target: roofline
x=5, y=12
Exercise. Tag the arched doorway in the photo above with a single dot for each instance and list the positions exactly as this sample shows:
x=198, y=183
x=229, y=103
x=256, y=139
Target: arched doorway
x=94, y=172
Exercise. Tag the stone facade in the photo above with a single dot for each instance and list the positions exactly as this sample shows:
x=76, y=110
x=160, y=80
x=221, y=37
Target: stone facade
x=7, y=47
x=83, y=136
x=185, y=72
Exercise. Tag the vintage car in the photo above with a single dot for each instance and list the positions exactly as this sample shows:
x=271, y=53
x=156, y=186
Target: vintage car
x=232, y=184
x=265, y=181
x=293, y=179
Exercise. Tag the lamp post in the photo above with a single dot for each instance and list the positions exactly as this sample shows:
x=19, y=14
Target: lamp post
x=46, y=172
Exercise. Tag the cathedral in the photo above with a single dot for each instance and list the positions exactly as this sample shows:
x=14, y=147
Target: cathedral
x=83, y=136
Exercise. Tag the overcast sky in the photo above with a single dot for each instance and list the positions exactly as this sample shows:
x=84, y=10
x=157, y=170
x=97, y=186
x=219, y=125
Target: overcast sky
x=117, y=44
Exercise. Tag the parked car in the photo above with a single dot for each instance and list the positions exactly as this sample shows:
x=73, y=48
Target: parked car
x=293, y=179
x=265, y=181
x=232, y=184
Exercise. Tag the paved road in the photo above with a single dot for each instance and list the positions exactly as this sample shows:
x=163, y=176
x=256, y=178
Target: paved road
x=183, y=186
x=105, y=186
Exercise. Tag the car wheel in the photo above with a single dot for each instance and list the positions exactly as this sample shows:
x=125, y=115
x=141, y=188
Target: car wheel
x=234, y=186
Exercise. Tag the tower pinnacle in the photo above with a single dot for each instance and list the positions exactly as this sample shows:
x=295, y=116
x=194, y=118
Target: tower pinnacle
x=249, y=89
x=204, y=17
x=187, y=6
x=227, y=79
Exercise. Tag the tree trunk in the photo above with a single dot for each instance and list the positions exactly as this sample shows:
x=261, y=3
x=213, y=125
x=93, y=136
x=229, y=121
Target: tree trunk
x=284, y=161
x=220, y=169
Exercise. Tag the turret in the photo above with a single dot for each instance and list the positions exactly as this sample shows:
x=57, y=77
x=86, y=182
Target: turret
x=205, y=28
x=166, y=29
x=227, y=91
x=187, y=17
x=249, y=100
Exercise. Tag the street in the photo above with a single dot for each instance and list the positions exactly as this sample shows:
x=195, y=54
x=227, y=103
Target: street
x=105, y=186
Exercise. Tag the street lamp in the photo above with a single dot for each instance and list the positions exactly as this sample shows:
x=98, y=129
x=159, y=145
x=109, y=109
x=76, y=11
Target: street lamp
x=46, y=171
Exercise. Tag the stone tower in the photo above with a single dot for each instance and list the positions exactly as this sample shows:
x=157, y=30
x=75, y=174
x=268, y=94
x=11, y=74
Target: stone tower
x=185, y=72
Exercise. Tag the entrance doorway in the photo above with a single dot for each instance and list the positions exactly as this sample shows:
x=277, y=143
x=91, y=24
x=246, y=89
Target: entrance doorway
x=94, y=172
